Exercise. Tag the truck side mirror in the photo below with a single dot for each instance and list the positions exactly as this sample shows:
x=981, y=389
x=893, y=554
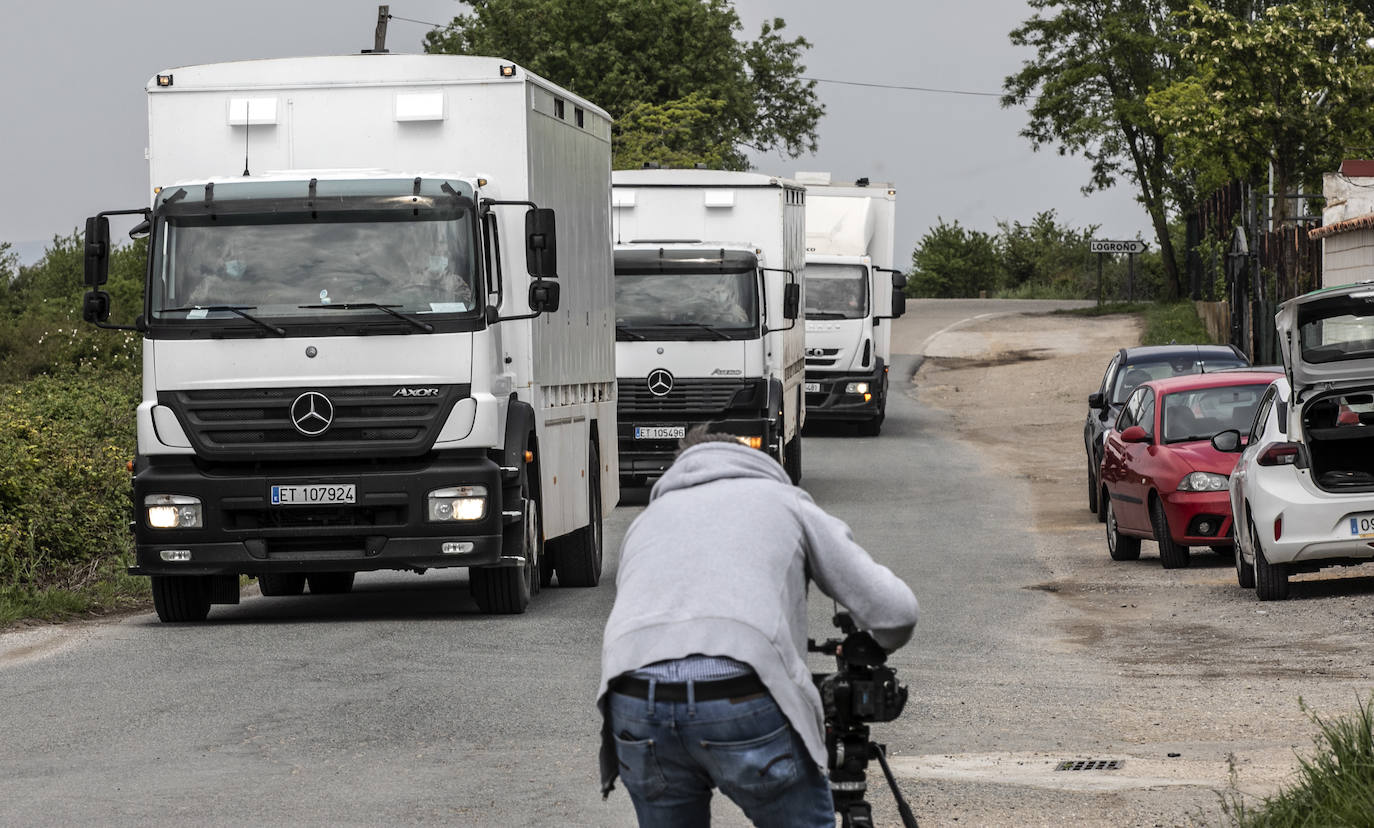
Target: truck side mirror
x=541, y=243
x=898, y=299
x=95, y=307
x=544, y=296
x=791, y=300
x=98, y=252
x=898, y=280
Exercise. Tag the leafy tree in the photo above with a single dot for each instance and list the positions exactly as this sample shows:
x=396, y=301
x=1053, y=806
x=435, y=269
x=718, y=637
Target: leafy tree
x=1095, y=62
x=621, y=54
x=1043, y=252
x=953, y=261
x=1290, y=85
x=679, y=133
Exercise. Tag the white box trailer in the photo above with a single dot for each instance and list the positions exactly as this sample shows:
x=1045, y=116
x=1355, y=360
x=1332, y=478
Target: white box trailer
x=709, y=281
x=377, y=328
x=852, y=294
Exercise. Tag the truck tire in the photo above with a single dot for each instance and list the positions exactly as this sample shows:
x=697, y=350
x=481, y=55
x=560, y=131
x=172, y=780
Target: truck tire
x=579, y=555
x=791, y=462
x=181, y=598
x=274, y=584
x=1171, y=555
x=330, y=583
x=506, y=590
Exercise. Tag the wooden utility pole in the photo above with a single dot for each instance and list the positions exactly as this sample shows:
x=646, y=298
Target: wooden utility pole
x=379, y=39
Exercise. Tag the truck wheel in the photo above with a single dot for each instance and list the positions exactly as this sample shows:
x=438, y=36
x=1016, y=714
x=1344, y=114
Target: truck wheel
x=181, y=598
x=506, y=590
x=580, y=554
x=1172, y=555
x=792, y=459
x=1271, y=580
x=1120, y=547
x=330, y=583
x=273, y=584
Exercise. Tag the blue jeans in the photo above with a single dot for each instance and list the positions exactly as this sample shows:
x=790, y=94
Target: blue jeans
x=671, y=754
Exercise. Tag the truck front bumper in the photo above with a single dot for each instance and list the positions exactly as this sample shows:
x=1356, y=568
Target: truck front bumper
x=386, y=527
x=828, y=397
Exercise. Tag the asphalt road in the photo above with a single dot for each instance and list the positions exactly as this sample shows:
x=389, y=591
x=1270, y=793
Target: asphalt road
x=400, y=704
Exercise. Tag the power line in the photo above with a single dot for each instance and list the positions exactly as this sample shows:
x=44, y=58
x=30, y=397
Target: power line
x=908, y=88
x=413, y=20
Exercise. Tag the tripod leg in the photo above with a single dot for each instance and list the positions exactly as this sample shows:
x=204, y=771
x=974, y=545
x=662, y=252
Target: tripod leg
x=880, y=751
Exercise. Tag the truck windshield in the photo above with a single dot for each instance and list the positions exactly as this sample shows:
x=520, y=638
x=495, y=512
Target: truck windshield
x=836, y=291
x=290, y=266
x=691, y=305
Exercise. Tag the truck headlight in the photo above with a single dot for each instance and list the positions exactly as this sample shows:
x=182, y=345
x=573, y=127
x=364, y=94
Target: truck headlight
x=457, y=503
x=1204, y=482
x=166, y=511
x=856, y=388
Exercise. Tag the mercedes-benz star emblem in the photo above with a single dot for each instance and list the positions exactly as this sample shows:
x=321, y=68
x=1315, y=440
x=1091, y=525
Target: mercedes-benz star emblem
x=312, y=413
x=660, y=382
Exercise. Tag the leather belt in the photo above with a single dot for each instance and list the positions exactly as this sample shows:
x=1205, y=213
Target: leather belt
x=676, y=691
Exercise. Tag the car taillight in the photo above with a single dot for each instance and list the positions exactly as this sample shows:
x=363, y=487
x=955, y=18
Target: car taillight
x=1278, y=527
x=1280, y=454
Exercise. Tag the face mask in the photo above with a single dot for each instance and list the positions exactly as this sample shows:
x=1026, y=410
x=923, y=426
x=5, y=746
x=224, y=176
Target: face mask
x=438, y=264
x=234, y=268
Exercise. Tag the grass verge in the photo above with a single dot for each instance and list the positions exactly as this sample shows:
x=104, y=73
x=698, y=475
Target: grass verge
x=1165, y=322
x=1335, y=787
x=99, y=590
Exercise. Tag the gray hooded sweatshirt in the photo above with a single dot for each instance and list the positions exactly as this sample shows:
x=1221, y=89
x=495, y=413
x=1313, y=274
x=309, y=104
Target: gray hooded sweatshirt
x=717, y=565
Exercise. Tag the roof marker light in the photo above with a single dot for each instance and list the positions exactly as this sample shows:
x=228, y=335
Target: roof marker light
x=507, y=70
x=164, y=80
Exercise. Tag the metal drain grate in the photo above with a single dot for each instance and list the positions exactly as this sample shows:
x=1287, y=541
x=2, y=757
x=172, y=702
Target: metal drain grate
x=1090, y=764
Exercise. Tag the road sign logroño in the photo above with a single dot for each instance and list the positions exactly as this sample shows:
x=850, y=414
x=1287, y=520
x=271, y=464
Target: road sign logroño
x=1104, y=246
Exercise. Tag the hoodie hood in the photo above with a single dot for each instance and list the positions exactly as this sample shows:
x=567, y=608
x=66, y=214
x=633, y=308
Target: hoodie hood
x=709, y=462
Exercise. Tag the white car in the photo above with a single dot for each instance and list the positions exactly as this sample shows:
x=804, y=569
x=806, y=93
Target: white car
x=1302, y=493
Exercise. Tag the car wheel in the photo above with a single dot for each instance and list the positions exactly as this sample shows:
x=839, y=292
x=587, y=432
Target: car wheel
x=272, y=584
x=1271, y=580
x=1172, y=555
x=1245, y=572
x=330, y=583
x=1092, y=488
x=1120, y=547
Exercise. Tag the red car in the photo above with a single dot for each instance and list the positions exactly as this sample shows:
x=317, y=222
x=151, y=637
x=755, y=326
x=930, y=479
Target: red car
x=1161, y=477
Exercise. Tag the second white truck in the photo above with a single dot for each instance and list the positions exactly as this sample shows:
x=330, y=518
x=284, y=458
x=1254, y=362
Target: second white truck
x=708, y=290
x=852, y=294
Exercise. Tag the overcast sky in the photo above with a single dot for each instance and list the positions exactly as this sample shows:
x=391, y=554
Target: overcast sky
x=75, y=118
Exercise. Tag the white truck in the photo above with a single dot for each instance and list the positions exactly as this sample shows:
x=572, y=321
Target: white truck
x=708, y=290
x=852, y=294
x=356, y=352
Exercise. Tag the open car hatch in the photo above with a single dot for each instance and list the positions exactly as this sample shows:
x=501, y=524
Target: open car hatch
x=1327, y=337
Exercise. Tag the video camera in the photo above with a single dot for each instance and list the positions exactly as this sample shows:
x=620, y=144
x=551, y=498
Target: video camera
x=862, y=689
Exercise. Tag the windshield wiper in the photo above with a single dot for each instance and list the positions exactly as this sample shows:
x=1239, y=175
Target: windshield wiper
x=702, y=325
x=424, y=326
x=824, y=315
x=625, y=329
x=234, y=309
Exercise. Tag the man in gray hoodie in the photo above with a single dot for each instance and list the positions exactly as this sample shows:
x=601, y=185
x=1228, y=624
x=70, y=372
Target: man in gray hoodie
x=704, y=682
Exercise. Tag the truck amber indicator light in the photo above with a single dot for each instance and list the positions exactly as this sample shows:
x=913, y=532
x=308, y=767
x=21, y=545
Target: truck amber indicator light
x=507, y=71
x=164, y=80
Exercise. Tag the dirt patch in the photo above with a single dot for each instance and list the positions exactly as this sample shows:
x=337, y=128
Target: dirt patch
x=1184, y=648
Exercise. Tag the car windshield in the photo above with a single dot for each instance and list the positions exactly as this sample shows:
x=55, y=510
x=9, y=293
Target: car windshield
x=280, y=266
x=1203, y=412
x=836, y=291
x=1134, y=373
x=1332, y=332
x=700, y=301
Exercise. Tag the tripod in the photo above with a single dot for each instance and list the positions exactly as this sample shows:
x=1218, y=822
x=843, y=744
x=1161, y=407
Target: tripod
x=850, y=752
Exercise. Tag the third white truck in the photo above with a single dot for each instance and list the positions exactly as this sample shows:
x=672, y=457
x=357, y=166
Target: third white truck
x=852, y=296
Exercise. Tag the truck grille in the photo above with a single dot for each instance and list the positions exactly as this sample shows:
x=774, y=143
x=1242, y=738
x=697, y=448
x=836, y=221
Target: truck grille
x=689, y=396
x=256, y=423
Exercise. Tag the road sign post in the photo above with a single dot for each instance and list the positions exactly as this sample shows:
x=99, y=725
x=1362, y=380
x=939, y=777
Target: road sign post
x=1104, y=247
